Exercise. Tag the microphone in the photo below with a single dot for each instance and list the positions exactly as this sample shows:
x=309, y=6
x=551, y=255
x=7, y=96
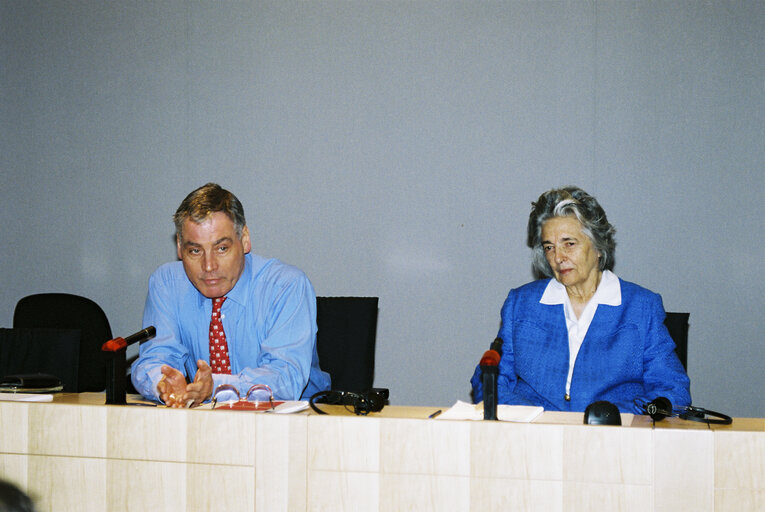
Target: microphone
x=120, y=343
x=117, y=364
x=489, y=372
x=141, y=336
x=496, y=345
x=490, y=358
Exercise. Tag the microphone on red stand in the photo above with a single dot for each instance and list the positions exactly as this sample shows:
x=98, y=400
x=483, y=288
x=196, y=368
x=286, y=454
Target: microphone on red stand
x=489, y=373
x=117, y=363
x=120, y=343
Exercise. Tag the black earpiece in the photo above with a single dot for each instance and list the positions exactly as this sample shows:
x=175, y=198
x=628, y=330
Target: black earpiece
x=658, y=408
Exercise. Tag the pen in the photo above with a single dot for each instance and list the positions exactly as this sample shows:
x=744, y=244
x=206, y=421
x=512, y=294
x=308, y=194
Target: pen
x=435, y=414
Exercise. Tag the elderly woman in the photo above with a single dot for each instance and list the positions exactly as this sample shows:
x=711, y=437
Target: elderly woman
x=582, y=335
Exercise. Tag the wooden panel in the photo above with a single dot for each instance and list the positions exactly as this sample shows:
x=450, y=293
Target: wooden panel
x=739, y=470
x=220, y=488
x=144, y=433
x=281, y=447
x=516, y=451
x=415, y=447
x=67, y=430
x=15, y=469
x=61, y=484
x=606, y=454
x=684, y=470
x=588, y=496
x=337, y=443
x=88, y=457
x=402, y=492
x=516, y=494
x=221, y=437
x=343, y=491
x=146, y=485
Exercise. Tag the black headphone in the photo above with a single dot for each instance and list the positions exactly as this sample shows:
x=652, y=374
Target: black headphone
x=363, y=403
x=660, y=408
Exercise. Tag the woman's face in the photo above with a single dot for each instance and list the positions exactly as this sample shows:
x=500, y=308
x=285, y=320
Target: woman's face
x=570, y=253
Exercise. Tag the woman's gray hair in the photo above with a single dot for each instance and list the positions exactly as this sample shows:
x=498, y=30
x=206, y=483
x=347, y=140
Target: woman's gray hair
x=206, y=200
x=570, y=202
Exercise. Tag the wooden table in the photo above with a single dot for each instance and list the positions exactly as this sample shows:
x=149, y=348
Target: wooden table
x=78, y=454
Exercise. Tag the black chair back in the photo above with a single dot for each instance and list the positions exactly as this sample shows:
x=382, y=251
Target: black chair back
x=66, y=311
x=677, y=325
x=345, y=341
x=49, y=351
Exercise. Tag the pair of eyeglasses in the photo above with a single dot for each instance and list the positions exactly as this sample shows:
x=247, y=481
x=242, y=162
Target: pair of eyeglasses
x=258, y=398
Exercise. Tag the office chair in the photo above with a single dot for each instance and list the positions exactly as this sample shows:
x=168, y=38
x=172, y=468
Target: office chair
x=25, y=351
x=677, y=325
x=345, y=341
x=65, y=311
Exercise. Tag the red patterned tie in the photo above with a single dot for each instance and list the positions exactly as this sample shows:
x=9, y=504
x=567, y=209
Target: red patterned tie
x=219, y=361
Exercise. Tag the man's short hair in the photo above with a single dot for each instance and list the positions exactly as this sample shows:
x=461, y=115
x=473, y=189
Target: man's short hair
x=206, y=200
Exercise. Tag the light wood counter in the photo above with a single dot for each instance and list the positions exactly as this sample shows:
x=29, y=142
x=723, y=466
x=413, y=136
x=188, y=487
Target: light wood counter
x=78, y=454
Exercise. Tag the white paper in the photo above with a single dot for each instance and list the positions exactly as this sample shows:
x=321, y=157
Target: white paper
x=26, y=397
x=291, y=406
x=465, y=411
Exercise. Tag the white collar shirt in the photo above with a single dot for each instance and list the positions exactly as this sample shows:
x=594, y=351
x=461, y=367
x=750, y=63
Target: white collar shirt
x=609, y=293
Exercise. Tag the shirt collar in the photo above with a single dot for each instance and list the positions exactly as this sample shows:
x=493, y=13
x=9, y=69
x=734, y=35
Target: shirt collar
x=609, y=291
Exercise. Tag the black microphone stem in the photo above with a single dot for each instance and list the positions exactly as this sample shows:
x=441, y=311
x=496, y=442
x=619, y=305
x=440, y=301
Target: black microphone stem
x=489, y=374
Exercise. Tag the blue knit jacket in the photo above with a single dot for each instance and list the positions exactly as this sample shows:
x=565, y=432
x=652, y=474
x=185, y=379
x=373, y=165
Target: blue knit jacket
x=626, y=355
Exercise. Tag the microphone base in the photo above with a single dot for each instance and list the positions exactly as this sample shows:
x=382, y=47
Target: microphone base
x=116, y=381
x=489, y=376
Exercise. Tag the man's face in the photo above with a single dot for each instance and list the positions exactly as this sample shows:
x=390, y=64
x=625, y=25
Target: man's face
x=212, y=254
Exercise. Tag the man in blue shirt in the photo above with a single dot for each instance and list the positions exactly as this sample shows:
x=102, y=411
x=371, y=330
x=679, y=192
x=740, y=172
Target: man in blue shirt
x=266, y=309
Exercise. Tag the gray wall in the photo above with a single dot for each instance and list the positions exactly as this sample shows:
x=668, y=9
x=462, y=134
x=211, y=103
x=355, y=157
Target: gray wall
x=393, y=149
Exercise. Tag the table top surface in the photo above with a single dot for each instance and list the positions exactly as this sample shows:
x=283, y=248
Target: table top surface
x=424, y=412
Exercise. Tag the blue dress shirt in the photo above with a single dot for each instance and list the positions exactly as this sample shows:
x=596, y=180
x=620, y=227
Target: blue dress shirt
x=627, y=354
x=269, y=318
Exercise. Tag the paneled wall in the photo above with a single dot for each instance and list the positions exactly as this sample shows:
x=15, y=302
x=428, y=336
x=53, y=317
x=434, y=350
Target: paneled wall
x=392, y=149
